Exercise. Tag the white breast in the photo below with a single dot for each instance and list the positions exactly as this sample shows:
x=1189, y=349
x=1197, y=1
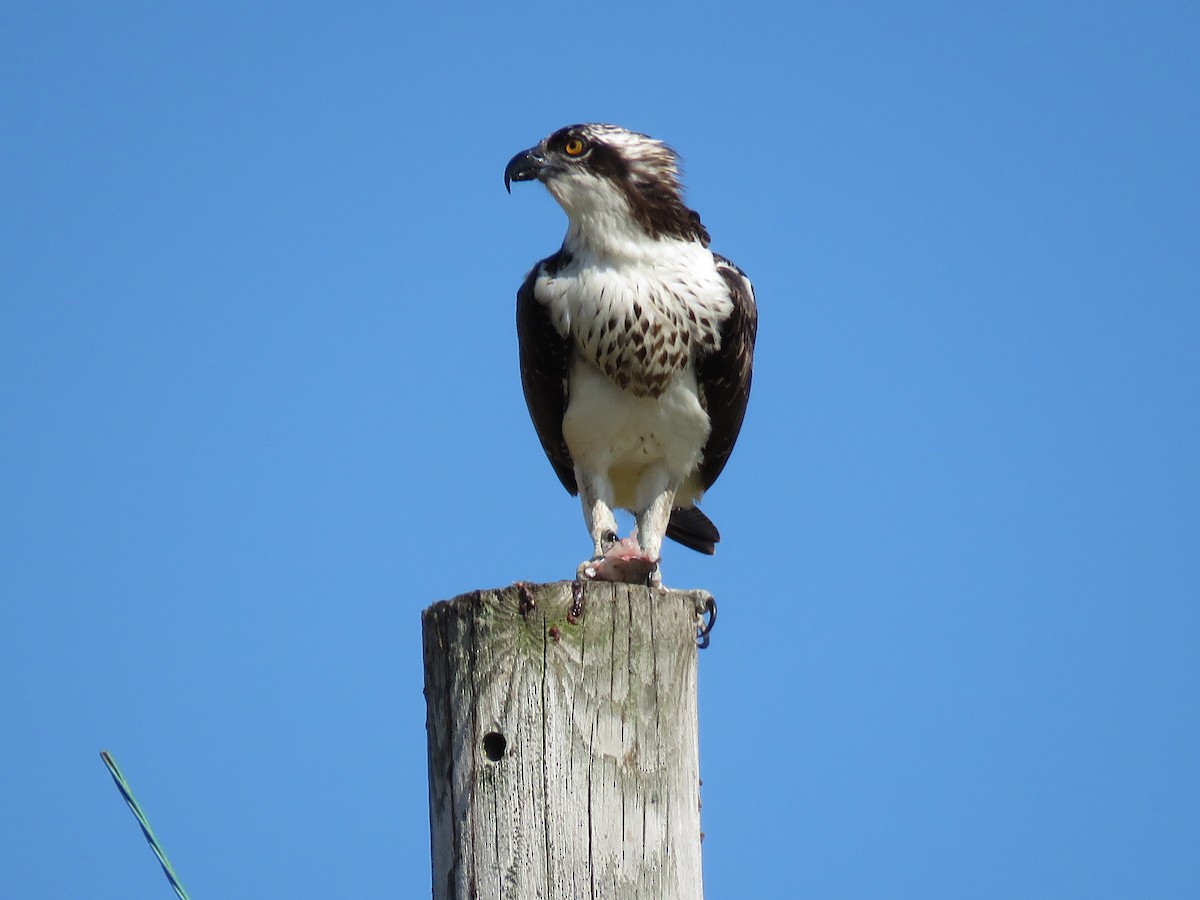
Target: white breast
x=671, y=276
x=655, y=420
x=613, y=432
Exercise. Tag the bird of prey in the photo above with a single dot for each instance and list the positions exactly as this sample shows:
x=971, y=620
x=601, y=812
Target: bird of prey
x=636, y=345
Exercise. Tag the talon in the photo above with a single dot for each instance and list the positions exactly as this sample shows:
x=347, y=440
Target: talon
x=607, y=540
x=709, y=606
x=654, y=578
x=576, y=609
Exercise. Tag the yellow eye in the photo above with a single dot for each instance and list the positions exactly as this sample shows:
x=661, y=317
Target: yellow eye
x=573, y=147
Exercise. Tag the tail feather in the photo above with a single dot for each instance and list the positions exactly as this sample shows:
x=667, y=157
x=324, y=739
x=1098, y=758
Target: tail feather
x=693, y=529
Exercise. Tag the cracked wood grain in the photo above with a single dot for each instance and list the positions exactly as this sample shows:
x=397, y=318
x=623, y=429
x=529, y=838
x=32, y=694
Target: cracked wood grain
x=563, y=758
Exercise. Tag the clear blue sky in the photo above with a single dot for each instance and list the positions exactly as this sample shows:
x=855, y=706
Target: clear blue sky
x=260, y=407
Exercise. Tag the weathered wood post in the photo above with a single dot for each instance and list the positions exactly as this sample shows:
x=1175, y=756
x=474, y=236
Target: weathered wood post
x=563, y=758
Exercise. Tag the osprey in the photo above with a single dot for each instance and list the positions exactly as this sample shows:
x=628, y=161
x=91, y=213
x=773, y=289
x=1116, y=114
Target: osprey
x=636, y=345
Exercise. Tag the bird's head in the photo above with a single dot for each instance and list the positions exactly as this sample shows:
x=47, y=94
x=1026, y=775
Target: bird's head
x=610, y=182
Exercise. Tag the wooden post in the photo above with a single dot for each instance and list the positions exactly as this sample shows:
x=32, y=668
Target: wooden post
x=563, y=758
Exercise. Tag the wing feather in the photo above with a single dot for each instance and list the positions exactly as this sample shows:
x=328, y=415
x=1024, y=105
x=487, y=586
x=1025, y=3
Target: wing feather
x=725, y=374
x=545, y=360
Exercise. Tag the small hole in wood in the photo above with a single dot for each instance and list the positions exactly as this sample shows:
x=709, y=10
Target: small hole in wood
x=494, y=746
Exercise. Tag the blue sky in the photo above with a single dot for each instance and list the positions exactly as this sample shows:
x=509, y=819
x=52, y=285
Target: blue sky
x=260, y=404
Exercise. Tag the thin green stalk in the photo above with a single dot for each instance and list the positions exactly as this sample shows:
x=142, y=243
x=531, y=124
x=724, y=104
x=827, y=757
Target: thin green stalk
x=123, y=787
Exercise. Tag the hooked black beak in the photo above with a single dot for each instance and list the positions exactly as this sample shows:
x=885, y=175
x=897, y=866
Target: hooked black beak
x=525, y=166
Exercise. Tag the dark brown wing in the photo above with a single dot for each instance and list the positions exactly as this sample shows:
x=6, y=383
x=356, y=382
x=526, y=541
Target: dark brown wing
x=545, y=359
x=725, y=374
x=724, y=379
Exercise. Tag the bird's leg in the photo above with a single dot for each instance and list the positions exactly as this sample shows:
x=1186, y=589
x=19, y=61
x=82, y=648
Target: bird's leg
x=656, y=496
x=596, y=496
